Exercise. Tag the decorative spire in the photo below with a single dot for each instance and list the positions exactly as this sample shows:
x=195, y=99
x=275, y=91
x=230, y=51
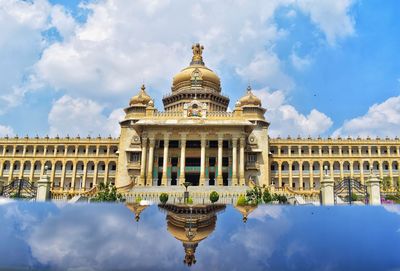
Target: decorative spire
x=248, y=89
x=197, y=54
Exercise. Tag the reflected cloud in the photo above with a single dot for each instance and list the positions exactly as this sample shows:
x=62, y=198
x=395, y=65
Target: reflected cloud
x=90, y=239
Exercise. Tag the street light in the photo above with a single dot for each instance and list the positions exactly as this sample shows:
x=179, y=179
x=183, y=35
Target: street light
x=186, y=193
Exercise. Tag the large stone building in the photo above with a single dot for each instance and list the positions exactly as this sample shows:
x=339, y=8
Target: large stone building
x=196, y=139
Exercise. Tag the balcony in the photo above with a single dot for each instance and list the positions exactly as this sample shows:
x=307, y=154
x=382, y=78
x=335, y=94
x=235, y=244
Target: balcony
x=133, y=165
x=252, y=165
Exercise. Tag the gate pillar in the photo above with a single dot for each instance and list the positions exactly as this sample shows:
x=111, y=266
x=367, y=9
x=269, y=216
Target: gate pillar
x=43, y=188
x=327, y=190
x=373, y=186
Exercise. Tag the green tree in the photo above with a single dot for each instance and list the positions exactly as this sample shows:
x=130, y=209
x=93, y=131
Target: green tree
x=254, y=196
x=164, y=198
x=214, y=196
x=267, y=197
x=241, y=201
x=107, y=192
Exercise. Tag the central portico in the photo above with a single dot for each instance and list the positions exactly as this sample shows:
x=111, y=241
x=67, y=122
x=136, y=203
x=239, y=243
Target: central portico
x=195, y=139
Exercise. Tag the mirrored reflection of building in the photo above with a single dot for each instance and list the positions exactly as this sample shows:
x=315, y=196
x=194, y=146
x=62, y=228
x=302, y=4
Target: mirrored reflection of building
x=191, y=225
x=137, y=209
x=245, y=210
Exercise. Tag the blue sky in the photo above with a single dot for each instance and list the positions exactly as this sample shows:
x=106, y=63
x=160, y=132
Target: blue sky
x=324, y=68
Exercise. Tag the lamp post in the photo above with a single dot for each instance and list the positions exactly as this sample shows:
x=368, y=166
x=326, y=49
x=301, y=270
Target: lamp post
x=186, y=193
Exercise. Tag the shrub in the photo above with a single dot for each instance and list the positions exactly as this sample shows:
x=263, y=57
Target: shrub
x=280, y=198
x=267, y=197
x=254, y=196
x=107, y=192
x=190, y=201
x=241, y=201
x=138, y=199
x=164, y=198
x=214, y=197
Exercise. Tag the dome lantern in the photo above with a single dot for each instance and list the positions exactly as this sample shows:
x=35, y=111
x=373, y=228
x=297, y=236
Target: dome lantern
x=250, y=99
x=142, y=98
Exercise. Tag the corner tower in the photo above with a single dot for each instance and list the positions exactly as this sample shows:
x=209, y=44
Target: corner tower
x=196, y=82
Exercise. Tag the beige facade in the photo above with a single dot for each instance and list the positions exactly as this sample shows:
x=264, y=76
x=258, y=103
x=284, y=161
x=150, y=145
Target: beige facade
x=72, y=163
x=195, y=139
x=299, y=163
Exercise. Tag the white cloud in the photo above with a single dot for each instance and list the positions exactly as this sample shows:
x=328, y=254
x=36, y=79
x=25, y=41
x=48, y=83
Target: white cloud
x=124, y=43
x=381, y=120
x=6, y=130
x=20, y=45
x=75, y=116
x=332, y=17
x=266, y=68
x=300, y=63
x=286, y=120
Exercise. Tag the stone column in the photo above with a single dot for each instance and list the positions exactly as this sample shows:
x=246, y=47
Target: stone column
x=143, y=162
x=1, y=186
x=391, y=173
x=301, y=175
x=203, y=159
x=73, y=178
x=341, y=170
x=32, y=171
x=219, y=174
x=351, y=169
x=327, y=189
x=164, y=179
x=182, y=160
x=62, y=184
x=279, y=174
x=95, y=173
x=241, y=162
x=373, y=187
x=311, y=175
x=21, y=170
x=290, y=174
x=150, y=164
x=361, y=171
x=106, y=172
x=234, y=161
x=84, y=178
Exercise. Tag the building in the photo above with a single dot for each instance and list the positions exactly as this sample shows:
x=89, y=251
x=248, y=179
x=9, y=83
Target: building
x=196, y=139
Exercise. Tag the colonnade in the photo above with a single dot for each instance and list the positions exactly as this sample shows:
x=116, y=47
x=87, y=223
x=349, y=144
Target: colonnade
x=148, y=148
x=337, y=169
x=64, y=174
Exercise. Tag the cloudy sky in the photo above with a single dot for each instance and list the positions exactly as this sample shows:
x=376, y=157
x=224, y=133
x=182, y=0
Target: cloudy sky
x=324, y=68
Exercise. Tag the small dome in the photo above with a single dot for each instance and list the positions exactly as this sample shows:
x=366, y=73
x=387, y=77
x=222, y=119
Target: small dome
x=196, y=71
x=142, y=98
x=250, y=98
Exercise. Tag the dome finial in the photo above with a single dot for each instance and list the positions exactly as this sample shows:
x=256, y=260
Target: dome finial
x=197, y=54
x=248, y=88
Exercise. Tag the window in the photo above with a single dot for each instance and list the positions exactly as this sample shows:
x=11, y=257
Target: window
x=174, y=161
x=213, y=144
x=251, y=157
x=225, y=161
x=211, y=161
x=134, y=156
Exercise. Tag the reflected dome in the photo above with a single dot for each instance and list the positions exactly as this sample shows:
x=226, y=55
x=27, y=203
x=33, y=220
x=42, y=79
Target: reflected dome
x=191, y=225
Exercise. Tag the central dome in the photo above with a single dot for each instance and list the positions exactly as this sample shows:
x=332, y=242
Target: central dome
x=196, y=73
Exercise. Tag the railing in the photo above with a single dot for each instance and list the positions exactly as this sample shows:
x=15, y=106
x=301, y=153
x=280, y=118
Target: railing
x=168, y=114
x=219, y=114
